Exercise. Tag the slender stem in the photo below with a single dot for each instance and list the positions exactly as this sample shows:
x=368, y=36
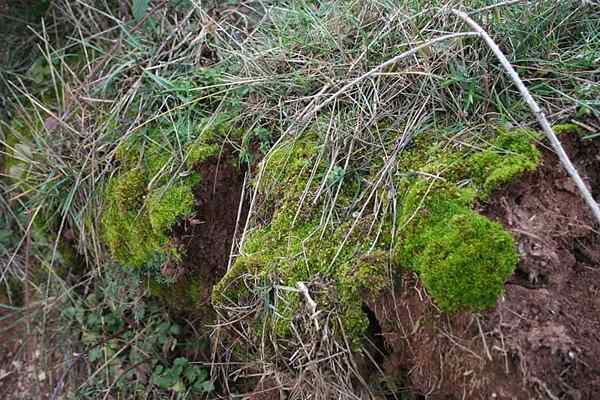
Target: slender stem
x=537, y=111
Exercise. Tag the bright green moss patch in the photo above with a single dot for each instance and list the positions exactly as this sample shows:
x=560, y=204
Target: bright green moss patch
x=199, y=152
x=136, y=221
x=127, y=228
x=294, y=246
x=426, y=204
x=362, y=279
x=463, y=258
x=466, y=261
x=129, y=190
x=166, y=205
x=566, y=128
x=154, y=191
x=512, y=154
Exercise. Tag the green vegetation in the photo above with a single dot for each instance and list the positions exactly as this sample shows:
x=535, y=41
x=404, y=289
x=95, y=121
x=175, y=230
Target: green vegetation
x=114, y=112
x=462, y=257
x=136, y=229
x=110, y=320
x=512, y=154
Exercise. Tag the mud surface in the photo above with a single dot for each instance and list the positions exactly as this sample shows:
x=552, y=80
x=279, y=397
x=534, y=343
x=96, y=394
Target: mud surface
x=542, y=341
x=208, y=235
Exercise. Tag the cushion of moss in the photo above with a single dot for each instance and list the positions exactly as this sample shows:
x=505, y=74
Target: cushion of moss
x=137, y=219
x=136, y=229
x=294, y=247
x=512, y=154
x=466, y=261
x=166, y=205
x=463, y=258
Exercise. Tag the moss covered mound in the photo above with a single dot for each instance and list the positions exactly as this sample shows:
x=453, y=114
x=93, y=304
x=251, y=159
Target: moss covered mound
x=462, y=257
x=136, y=220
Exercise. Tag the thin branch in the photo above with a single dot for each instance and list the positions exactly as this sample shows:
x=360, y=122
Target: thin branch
x=537, y=111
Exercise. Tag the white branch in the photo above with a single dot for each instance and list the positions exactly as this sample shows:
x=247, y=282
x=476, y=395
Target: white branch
x=537, y=111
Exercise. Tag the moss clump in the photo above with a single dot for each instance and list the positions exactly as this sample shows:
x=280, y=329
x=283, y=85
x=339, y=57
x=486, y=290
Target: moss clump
x=136, y=221
x=363, y=280
x=126, y=225
x=199, y=152
x=294, y=247
x=466, y=262
x=129, y=190
x=232, y=288
x=567, y=128
x=166, y=205
x=511, y=155
x=463, y=258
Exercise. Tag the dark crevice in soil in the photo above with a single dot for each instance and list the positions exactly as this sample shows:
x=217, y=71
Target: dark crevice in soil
x=207, y=236
x=376, y=344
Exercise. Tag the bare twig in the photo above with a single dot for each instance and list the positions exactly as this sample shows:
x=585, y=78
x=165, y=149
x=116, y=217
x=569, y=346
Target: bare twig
x=537, y=111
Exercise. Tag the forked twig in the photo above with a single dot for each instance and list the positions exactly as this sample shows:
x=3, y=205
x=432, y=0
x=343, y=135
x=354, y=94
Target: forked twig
x=537, y=111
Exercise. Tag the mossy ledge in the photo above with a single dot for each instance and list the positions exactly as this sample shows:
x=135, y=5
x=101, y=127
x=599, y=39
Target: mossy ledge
x=142, y=204
x=462, y=258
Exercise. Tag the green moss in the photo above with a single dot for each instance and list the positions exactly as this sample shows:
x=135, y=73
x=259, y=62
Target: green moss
x=294, y=247
x=466, y=261
x=363, y=280
x=511, y=155
x=127, y=230
x=231, y=289
x=136, y=223
x=463, y=258
x=157, y=160
x=200, y=152
x=168, y=204
x=567, y=128
x=130, y=190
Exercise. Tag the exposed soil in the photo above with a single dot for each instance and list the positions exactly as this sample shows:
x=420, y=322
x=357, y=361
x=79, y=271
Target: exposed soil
x=542, y=341
x=207, y=236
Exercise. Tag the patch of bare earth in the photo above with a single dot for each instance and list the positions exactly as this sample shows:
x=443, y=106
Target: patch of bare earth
x=208, y=235
x=542, y=341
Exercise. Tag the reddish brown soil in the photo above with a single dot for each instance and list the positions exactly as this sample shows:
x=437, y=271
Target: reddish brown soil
x=208, y=235
x=542, y=341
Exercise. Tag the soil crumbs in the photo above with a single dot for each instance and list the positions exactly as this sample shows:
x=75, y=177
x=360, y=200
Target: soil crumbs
x=542, y=341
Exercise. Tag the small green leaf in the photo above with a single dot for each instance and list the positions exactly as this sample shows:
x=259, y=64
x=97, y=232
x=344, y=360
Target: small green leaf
x=178, y=387
x=139, y=9
x=175, y=330
x=95, y=354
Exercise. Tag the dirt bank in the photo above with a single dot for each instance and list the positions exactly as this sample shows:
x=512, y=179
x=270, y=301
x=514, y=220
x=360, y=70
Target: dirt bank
x=543, y=339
